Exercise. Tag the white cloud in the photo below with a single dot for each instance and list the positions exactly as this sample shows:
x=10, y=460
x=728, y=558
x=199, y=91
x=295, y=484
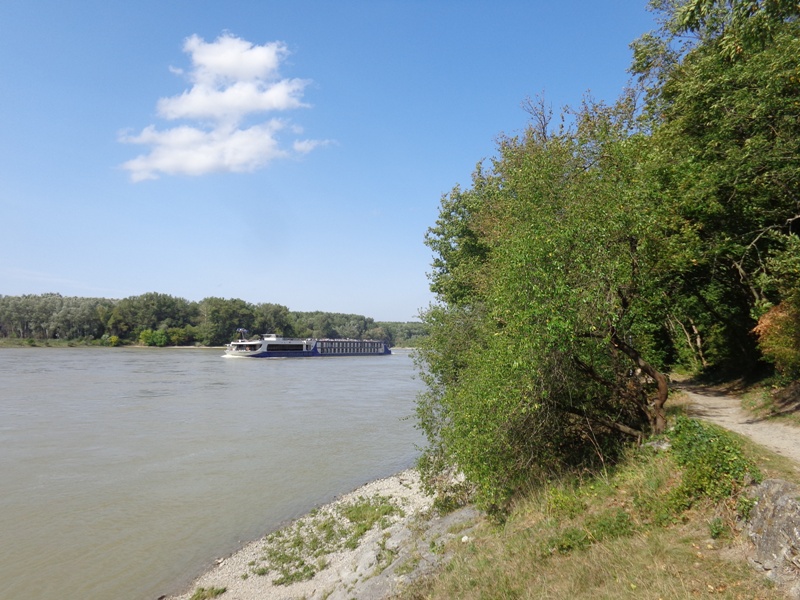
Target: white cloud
x=306, y=146
x=234, y=101
x=232, y=79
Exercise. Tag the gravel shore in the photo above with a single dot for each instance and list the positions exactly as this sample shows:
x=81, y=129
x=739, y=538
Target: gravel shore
x=407, y=542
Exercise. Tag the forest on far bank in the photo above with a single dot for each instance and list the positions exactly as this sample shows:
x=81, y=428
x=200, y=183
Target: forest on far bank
x=155, y=319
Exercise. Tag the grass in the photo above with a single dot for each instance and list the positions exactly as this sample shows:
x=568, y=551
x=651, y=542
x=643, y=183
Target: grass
x=300, y=551
x=774, y=403
x=207, y=593
x=658, y=525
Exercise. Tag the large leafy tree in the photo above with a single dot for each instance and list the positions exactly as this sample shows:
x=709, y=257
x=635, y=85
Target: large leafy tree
x=725, y=110
x=547, y=346
x=590, y=258
x=273, y=318
x=221, y=317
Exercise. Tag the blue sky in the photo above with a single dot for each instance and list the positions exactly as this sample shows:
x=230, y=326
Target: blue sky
x=286, y=152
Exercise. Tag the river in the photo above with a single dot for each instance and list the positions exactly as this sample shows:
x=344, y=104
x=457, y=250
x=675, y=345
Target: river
x=125, y=472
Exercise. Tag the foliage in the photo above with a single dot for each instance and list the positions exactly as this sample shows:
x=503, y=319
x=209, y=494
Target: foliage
x=148, y=337
x=149, y=311
x=52, y=316
x=778, y=333
x=601, y=537
x=111, y=340
x=548, y=343
x=155, y=319
x=588, y=259
x=273, y=318
x=726, y=125
x=407, y=334
x=714, y=464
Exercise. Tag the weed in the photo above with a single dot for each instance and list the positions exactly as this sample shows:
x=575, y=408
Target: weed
x=610, y=524
x=717, y=528
x=365, y=513
x=565, y=503
x=385, y=555
x=298, y=552
x=568, y=540
x=207, y=593
x=714, y=464
x=744, y=505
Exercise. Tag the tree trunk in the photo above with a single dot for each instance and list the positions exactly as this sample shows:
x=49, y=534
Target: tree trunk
x=658, y=420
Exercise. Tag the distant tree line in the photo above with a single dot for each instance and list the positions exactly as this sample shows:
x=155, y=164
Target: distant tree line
x=155, y=319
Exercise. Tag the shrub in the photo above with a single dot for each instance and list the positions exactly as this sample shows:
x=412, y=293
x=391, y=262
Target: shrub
x=778, y=333
x=148, y=337
x=714, y=464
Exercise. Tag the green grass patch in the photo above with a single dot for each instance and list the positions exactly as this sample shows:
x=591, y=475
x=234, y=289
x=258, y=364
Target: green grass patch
x=207, y=593
x=656, y=525
x=714, y=462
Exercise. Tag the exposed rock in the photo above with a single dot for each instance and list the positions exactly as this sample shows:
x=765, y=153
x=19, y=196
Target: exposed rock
x=774, y=528
x=398, y=550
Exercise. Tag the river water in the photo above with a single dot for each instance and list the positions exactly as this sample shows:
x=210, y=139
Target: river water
x=124, y=472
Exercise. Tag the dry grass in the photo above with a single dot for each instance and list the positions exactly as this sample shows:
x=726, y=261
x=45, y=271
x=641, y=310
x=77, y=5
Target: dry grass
x=541, y=552
x=779, y=403
x=675, y=562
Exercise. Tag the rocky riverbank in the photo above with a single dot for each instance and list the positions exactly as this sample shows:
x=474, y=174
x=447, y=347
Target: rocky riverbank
x=367, y=544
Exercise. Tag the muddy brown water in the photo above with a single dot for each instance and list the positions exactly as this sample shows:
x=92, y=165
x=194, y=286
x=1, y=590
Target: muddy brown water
x=125, y=472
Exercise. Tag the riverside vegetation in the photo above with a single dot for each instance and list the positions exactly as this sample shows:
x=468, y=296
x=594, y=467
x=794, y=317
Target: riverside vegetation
x=661, y=523
x=154, y=319
x=606, y=247
x=600, y=250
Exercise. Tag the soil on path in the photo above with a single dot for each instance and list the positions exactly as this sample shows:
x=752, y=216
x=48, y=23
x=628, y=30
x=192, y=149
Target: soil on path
x=726, y=411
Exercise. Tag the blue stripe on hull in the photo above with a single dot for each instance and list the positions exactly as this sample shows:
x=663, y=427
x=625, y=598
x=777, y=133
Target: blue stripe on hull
x=274, y=354
x=315, y=352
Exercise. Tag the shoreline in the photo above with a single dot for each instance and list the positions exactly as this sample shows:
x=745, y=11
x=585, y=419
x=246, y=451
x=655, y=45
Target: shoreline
x=404, y=544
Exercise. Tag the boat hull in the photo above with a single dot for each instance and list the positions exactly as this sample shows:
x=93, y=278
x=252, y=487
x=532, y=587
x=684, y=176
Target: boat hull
x=272, y=346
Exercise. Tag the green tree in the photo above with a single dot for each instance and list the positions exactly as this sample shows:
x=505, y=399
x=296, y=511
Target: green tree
x=220, y=318
x=150, y=311
x=727, y=129
x=549, y=351
x=273, y=318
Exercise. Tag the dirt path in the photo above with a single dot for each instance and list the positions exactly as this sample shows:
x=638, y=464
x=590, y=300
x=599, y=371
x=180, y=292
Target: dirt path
x=726, y=411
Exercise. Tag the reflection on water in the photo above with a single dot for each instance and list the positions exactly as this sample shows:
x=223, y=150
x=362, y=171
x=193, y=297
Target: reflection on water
x=126, y=471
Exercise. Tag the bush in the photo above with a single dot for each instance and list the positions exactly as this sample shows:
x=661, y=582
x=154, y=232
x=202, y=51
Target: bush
x=148, y=337
x=778, y=333
x=714, y=464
